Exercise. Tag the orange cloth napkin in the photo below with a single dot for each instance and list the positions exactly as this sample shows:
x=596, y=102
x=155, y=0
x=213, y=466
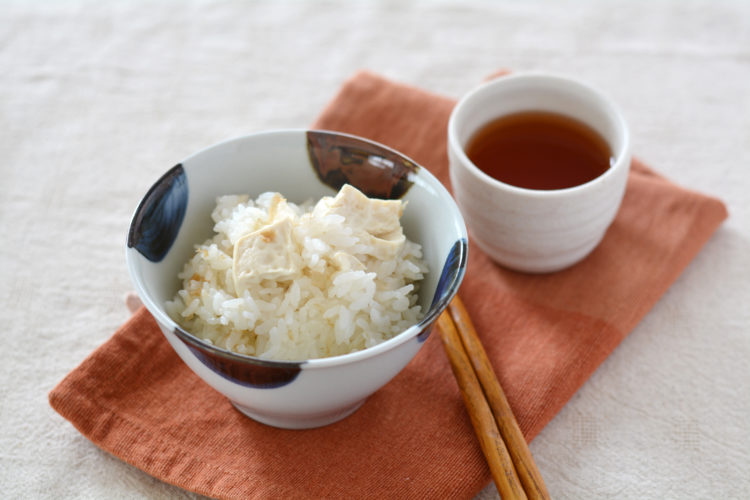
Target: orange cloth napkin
x=545, y=334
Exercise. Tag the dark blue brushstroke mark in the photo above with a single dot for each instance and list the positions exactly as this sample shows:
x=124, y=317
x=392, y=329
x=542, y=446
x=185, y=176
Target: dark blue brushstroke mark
x=242, y=370
x=453, y=269
x=377, y=171
x=159, y=216
x=453, y=263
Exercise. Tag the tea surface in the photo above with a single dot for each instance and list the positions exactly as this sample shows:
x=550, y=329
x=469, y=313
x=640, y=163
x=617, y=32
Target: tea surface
x=539, y=150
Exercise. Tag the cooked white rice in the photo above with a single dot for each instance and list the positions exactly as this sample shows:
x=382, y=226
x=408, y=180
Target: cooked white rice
x=343, y=288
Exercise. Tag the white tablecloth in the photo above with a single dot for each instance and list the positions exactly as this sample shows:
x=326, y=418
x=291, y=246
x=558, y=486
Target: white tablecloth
x=98, y=99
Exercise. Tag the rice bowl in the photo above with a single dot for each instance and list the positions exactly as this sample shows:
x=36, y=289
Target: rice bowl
x=174, y=215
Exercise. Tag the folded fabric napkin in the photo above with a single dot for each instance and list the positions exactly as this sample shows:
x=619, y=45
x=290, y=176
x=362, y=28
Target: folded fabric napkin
x=545, y=334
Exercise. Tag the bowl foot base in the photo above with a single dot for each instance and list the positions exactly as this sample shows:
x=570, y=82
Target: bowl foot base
x=300, y=421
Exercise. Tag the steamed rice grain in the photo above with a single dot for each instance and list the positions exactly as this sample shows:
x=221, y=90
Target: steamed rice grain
x=294, y=282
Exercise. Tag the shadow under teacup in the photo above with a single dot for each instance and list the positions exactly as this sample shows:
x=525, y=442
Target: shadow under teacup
x=515, y=201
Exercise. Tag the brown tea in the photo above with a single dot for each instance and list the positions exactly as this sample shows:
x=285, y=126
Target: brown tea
x=539, y=150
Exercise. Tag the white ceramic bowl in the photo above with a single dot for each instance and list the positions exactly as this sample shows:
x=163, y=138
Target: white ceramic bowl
x=301, y=164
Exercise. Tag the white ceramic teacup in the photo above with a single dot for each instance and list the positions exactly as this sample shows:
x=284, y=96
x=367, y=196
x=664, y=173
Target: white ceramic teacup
x=537, y=230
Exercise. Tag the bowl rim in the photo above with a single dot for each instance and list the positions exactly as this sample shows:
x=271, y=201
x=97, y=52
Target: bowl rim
x=434, y=310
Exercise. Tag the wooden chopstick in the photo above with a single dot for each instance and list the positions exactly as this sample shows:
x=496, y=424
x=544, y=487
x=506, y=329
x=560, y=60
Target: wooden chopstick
x=492, y=444
x=531, y=479
x=503, y=444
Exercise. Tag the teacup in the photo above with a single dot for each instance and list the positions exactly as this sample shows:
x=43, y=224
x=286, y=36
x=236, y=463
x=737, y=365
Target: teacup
x=537, y=230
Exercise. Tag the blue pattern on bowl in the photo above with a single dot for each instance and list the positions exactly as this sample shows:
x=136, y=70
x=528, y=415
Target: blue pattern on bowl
x=375, y=170
x=453, y=270
x=242, y=370
x=158, y=218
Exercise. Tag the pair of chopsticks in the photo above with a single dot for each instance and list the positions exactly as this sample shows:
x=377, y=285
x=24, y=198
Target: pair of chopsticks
x=511, y=464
